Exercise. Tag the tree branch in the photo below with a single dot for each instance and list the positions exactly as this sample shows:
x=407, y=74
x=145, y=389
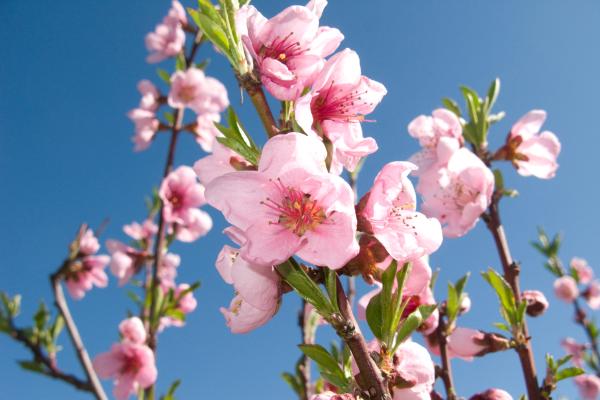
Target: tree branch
x=511, y=274
x=446, y=371
x=254, y=89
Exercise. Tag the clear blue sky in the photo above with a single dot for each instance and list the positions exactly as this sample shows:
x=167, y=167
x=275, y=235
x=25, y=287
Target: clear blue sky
x=68, y=76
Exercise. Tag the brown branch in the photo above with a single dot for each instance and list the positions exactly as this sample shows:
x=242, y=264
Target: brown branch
x=370, y=378
x=511, y=274
x=50, y=368
x=582, y=319
x=82, y=355
x=254, y=89
x=446, y=371
x=304, y=360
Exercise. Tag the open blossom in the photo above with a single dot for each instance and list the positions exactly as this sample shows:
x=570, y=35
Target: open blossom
x=143, y=231
x=291, y=205
x=414, y=366
x=585, y=273
x=429, y=130
x=537, y=304
x=125, y=260
x=168, y=37
x=389, y=213
x=203, y=94
x=146, y=125
x=132, y=329
x=577, y=350
x=195, y=224
x=592, y=295
x=458, y=193
x=258, y=288
x=289, y=48
x=180, y=191
x=88, y=243
x=150, y=95
x=167, y=270
x=86, y=273
x=589, y=386
x=131, y=365
x=492, y=394
x=531, y=152
x=220, y=162
x=206, y=131
x=336, y=105
x=565, y=288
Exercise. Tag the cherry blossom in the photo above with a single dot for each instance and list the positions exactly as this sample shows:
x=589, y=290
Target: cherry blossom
x=168, y=37
x=537, y=304
x=88, y=243
x=203, y=94
x=589, y=386
x=585, y=273
x=220, y=162
x=291, y=205
x=577, y=350
x=289, y=48
x=132, y=330
x=336, y=104
x=565, y=288
x=85, y=273
x=592, y=295
x=492, y=394
x=180, y=191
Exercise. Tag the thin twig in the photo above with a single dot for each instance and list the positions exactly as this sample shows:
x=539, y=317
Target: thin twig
x=254, y=89
x=511, y=274
x=446, y=370
x=304, y=360
x=582, y=319
x=82, y=355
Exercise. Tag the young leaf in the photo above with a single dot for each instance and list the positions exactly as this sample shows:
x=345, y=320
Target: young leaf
x=321, y=356
x=213, y=30
x=375, y=316
x=567, y=373
x=164, y=75
x=295, y=276
x=451, y=105
x=493, y=93
x=504, y=293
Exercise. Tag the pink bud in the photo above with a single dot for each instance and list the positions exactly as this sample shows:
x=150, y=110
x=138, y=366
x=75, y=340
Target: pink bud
x=492, y=394
x=585, y=273
x=536, y=302
x=133, y=330
x=592, y=295
x=565, y=288
x=465, y=304
x=589, y=386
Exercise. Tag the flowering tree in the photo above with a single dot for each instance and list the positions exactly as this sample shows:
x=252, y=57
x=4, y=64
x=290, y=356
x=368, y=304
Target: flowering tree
x=298, y=227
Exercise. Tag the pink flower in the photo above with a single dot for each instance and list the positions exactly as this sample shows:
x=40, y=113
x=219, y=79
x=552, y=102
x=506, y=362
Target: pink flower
x=206, y=131
x=536, y=302
x=289, y=48
x=150, y=95
x=390, y=215
x=462, y=343
x=465, y=304
x=458, y=193
x=429, y=130
x=414, y=366
x=592, y=295
x=589, y=386
x=492, y=394
x=332, y=396
x=574, y=349
x=585, y=273
x=196, y=223
x=145, y=231
x=146, y=125
x=220, y=162
x=88, y=243
x=336, y=104
x=125, y=260
x=131, y=365
x=167, y=270
x=168, y=37
x=85, y=273
x=291, y=205
x=241, y=317
x=180, y=191
x=203, y=94
x=565, y=288
x=533, y=154
x=132, y=329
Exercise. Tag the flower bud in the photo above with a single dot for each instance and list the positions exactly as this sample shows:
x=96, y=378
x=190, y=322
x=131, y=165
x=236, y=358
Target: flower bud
x=565, y=288
x=589, y=386
x=536, y=302
x=332, y=396
x=492, y=394
x=465, y=304
x=592, y=295
x=585, y=273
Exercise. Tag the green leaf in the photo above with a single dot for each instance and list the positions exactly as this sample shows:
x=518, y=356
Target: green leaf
x=321, y=356
x=213, y=30
x=504, y=293
x=499, y=180
x=293, y=382
x=408, y=326
x=33, y=366
x=169, y=117
x=492, y=95
x=248, y=154
x=331, y=286
x=568, y=372
x=452, y=303
x=175, y=314
x=180, y=63
x=164, y=75
x=41, y=317
x=339, y=381
x=452, y=106
x=209, y=10
x=562, y=361
x=502, y=326
x=295, y=276
x=171, y=392
x=375, y=316
x=57, y=327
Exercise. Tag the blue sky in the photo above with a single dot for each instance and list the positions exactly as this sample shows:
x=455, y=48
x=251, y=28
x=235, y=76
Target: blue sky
x=68, y=76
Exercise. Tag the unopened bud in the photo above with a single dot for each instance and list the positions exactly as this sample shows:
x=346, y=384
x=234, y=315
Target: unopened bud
x=536, y=302
x=492, y=394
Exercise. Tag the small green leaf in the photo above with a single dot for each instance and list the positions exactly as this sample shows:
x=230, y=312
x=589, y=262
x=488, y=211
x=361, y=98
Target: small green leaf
x=568, y=372
x=33, y=366
x=502, y=326
x=41, y=317
x=321, y=356
x=451, y=105
x=505, y=294
x=493, y=93
x=213, y=30
x=295, y=276
x=169, y=117
x=374, y=316
x=408, y=326
x=331, y=286
x=293, y=382
x=180, y=63
x=164, y=75
x=499, y=180
x=57, y=327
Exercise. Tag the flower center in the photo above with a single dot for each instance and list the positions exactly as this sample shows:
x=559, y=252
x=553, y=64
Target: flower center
x=338, y=104
x=131, y=365
x=296, y=210
x=187, y=93
x=281, y=48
